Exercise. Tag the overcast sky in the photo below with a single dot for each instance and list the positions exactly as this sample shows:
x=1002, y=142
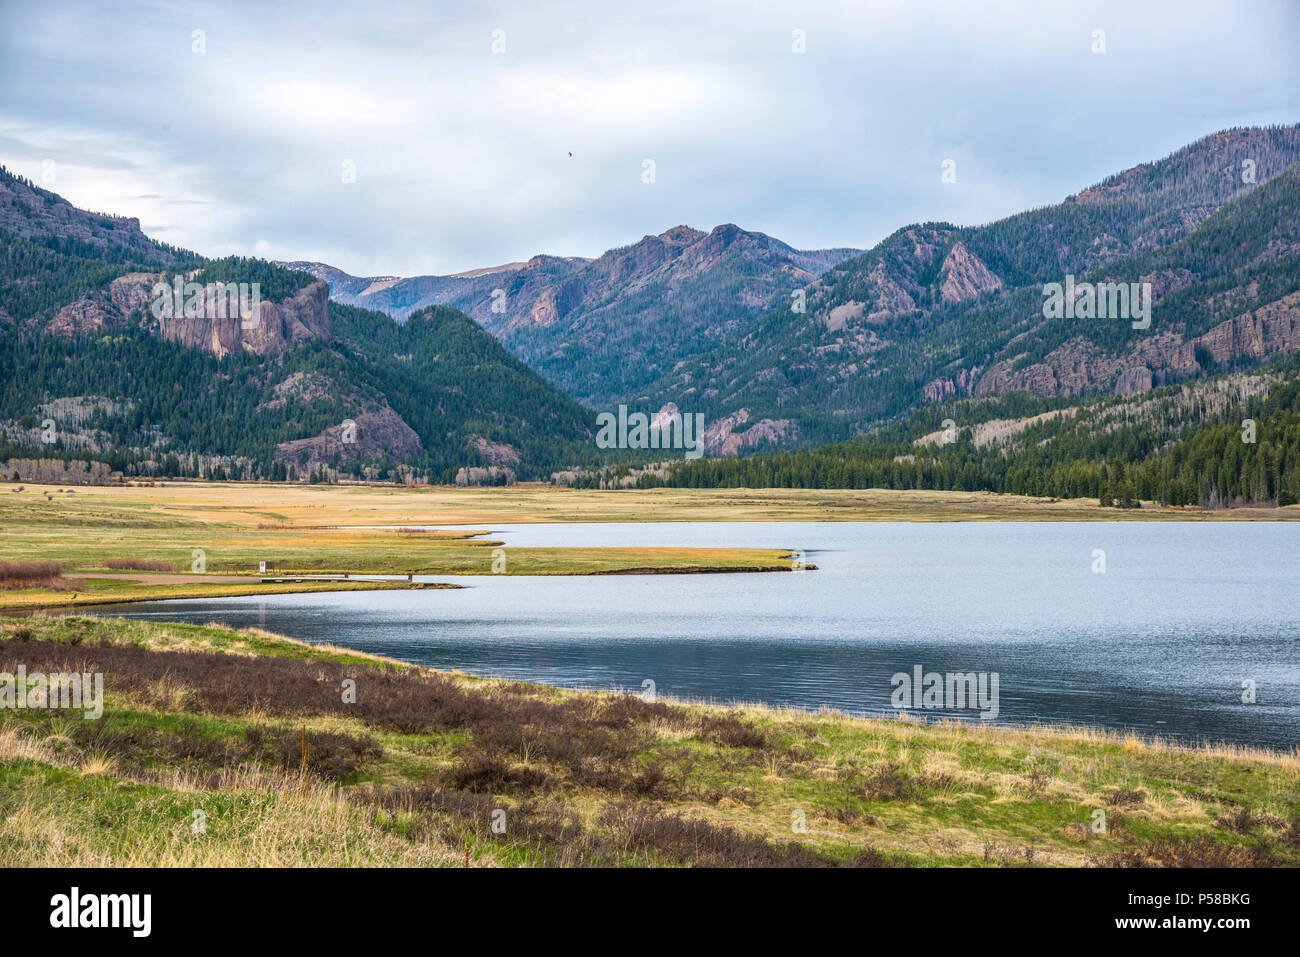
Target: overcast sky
x=461, y=153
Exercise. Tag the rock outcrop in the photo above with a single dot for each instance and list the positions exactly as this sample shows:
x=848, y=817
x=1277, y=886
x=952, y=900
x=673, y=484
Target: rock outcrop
x=34, y=213
x=965, y=276
x=273, y=328
x=377, y=433
x=495, y=453
x=1079, y=365
x=1259, y=333
x=723, y=437
x=81, y=318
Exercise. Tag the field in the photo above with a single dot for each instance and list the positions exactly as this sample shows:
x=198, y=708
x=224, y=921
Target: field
x=201, y=540
x=251, y=505
x=193, y=539
x=218, y=747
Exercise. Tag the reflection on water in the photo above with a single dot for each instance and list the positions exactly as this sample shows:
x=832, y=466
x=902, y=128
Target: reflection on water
x=1160, y=642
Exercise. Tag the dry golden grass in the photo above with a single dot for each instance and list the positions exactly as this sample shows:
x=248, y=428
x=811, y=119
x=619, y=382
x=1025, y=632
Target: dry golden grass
x=925, y=793
x=280, y=506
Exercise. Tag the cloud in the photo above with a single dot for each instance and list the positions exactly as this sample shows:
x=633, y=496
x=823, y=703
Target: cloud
x=461, y=154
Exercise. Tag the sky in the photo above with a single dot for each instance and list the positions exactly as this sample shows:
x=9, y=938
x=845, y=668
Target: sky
x=430, y=138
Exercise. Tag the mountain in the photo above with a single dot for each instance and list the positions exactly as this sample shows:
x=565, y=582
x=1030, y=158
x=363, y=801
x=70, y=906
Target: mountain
x=92, y=372
x=29, y=212
x=1229, y=440
x=1193, y=260
x=603, y=329
x=937, y=311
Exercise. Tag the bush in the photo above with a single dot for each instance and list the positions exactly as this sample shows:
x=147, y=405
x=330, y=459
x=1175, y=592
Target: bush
x=31, y=575
x=141, y=564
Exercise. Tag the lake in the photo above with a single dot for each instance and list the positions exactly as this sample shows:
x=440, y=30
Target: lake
x=1160, y=641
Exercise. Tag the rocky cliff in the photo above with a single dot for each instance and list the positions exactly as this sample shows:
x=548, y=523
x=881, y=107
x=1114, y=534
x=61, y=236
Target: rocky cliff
x=28, y=211
x=377, y=432
x=275, y=326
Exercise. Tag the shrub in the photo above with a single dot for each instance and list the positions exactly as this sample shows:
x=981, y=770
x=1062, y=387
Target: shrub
x=31, y=575
x=141, y=564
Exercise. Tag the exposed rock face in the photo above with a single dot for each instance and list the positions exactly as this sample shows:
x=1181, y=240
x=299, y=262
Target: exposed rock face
x=1134, y=380
x=940, y=389
x=300, y=388
x=1072, y=368
x=277, y=326
x=81, y=317
x=548, y=289
x=965, y=276
x=132, y=292
x=889, y=298
x=379, y=432
x=1168, y=281
x=126, y=294
x=495, y=453
x=839, y=317
x=665, y=416
x=555, y=302
x=34, y=213
x=1259, y=333
x=703, y=252
x=722, y=437
x=1079, y=365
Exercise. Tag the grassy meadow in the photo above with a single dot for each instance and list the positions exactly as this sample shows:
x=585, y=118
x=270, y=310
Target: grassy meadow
x=162, y=530
x=253, y=505
x=159, y=530
x=220, y=747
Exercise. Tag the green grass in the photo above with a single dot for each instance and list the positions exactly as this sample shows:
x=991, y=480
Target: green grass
x=412, y=773
x=227, y=529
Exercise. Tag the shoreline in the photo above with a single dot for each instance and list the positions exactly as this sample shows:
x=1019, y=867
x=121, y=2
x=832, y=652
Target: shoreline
x=1128, y=737
x=410, y=771
x=230, y=590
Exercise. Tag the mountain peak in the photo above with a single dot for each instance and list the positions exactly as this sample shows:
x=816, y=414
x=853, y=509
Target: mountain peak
x=28, y=211
x=681, y=235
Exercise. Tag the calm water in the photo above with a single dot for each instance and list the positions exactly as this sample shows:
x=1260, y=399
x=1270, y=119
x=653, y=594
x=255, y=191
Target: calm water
x=1161, y=642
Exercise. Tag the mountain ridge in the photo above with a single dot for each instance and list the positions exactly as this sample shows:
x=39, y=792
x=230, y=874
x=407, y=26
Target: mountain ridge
x=91, y=372
x=659, y=298
x=927, y=312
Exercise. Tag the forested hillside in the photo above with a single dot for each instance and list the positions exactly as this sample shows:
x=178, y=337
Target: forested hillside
x=310, y=390
x=935, y=323
x=461, y=391
x=603, y=329
x=1233, y=439
x=936, y=311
